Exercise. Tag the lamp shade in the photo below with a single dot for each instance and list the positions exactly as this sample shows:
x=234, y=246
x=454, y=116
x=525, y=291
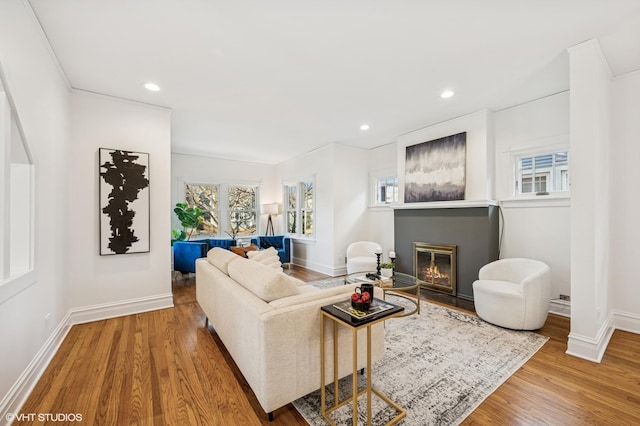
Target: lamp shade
x=272, y=208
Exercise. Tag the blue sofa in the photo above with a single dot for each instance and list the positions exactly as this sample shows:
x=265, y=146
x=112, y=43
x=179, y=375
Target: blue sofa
x=185, y=253
x=281, y=243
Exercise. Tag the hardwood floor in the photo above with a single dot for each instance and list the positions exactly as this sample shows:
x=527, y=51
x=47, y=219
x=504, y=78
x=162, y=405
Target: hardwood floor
x=164, y=367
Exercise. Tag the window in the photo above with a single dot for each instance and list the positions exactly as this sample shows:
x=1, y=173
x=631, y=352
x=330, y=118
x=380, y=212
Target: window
x=242, y=210
x=542, y=174
x=17, y=270
x=307, y=208
x=291, y=203
x=204, y=197
x=299, y=210
x=386, y=190
x=227, y=209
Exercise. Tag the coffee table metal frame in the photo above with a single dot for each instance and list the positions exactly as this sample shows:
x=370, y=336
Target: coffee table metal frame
x=339, y=318
x=403, y=284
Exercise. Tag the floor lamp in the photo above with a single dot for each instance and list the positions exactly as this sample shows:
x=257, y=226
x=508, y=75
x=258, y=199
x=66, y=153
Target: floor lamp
x=270, y=209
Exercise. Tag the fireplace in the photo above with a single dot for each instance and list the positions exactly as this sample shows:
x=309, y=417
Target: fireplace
x=435, y=266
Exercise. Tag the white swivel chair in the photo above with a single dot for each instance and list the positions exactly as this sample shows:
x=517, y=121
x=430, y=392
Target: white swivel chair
x=513, y=293
x=361, y=256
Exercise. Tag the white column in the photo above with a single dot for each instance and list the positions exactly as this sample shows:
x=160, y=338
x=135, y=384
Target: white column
x=590, y=93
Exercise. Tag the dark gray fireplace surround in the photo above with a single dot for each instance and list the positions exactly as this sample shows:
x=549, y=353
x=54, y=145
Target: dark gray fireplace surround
x=474, y=230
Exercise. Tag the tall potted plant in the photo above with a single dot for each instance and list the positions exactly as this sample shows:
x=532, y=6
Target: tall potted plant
x=190, y=218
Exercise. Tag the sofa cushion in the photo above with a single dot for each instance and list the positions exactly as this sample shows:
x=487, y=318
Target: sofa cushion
x=220, y=258
x=266, y=283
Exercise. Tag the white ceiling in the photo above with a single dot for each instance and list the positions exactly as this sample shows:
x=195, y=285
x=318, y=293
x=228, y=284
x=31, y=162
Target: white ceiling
x=265, y=81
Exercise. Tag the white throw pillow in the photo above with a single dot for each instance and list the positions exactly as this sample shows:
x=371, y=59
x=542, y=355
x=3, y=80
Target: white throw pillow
x=220, y=258
x=267, y=257
x=266, y=283
x=262, y=254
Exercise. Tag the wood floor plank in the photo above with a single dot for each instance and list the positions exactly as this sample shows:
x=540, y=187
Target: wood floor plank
x=165, y=368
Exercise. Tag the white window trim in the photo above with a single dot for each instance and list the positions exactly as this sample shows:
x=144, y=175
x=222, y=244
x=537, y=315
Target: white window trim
x=374, y=177
x=298, y=236
x=561, y=144
x=10, y=122
x=225, y=222
x=223, y=203
x=183, y=191
x=541, y=201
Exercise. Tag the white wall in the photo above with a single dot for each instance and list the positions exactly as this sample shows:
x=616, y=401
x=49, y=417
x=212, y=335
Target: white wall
x=538, y=230
x=351, y=220
x=103, y=122
x=382, y=163
x=479, y=164
x=42, y=101
x=190, y=168
x=340, y=174
x=625, y=247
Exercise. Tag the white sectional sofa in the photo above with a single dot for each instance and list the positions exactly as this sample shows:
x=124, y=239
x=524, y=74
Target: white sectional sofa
x=270, y=324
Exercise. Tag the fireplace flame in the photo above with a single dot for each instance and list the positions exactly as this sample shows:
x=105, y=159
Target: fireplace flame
x=433, y=273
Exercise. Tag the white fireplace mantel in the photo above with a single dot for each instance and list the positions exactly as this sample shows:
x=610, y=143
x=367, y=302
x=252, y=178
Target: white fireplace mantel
x=462, y=204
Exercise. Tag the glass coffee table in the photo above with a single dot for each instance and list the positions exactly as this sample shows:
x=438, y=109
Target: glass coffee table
x=401, y=285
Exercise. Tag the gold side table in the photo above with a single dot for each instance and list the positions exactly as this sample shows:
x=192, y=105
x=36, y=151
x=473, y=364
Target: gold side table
x=341, y=318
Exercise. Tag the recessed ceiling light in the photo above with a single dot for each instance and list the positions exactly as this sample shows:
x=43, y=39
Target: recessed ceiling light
x=446, y=94
x=152, y=87
x=364, y=127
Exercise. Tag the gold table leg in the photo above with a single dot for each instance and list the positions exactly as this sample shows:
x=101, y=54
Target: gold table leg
x=369, y=389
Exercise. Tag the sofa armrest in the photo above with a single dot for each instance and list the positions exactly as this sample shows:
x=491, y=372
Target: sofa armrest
x=291, y=344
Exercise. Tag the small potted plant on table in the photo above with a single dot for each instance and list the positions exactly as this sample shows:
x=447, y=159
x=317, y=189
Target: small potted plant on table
x=386, y=269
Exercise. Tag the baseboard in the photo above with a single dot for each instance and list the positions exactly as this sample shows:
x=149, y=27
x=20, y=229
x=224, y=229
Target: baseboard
x=591, y=349
x=627, y=321
x=21, y=389
x=323, y=269
x=121, y=308
x=560, y=307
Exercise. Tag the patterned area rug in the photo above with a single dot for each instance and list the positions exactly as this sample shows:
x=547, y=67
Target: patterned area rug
x=439, y=366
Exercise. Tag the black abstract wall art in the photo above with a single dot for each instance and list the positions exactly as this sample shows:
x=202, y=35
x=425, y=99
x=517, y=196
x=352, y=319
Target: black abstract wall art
x=124, y=201
x=435, y=170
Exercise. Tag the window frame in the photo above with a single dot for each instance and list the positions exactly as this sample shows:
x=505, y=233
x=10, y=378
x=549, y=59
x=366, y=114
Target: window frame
x=224, y=210
x=550, y=192
x=11, y=130
x=300, y=208
x=377, y=187
x=374, y=181
x=217, y=211
x=255, y=209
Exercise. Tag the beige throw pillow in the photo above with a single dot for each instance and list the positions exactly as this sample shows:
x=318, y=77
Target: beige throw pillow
x=266, y=283
x=220, y=258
